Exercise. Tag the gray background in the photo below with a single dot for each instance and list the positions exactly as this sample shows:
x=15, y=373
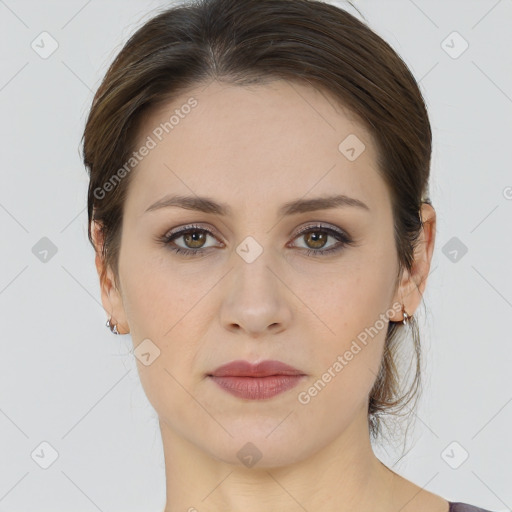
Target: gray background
x=65, y=379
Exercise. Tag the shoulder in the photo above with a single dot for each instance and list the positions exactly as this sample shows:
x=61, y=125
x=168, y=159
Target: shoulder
x=465, y=507
x=413, y=498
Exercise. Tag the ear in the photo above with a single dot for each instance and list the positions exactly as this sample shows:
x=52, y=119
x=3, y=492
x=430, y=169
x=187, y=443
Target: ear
x=111, y=297
x=413, y=282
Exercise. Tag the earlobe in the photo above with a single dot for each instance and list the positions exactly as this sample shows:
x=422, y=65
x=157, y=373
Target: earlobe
x=405, y=296
x=113, y=303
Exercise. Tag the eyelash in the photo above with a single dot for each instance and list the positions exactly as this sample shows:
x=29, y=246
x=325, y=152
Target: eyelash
x=344, y=240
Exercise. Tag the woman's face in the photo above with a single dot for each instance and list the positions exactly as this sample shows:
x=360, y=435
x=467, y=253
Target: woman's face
x=250, y=291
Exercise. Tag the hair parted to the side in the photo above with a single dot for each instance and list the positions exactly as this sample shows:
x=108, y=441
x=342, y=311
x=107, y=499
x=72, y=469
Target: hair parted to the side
x=256, y=41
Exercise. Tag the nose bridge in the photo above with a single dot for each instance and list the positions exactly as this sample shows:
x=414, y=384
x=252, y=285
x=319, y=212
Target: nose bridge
x=253, y=261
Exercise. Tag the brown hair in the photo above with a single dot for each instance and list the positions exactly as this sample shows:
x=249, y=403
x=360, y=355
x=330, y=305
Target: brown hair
x=249, y=42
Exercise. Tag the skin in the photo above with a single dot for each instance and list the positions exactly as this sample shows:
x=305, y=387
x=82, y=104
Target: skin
x=255, y=148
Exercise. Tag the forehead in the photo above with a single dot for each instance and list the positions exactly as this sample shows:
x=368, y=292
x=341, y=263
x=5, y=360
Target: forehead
x=251, y=145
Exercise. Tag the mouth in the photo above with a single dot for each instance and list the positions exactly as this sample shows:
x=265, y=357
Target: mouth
x=256, y=381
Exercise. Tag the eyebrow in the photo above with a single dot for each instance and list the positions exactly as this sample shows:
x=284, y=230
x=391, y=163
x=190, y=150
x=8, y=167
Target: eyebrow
x=208, y=205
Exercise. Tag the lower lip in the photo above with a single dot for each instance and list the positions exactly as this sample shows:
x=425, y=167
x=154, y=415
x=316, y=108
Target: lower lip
x=257, y=388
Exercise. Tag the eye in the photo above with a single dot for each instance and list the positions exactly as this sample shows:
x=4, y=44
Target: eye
x=193, y=236
x=316, y=236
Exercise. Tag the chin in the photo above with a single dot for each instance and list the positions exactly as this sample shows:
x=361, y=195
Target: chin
x=256, y=449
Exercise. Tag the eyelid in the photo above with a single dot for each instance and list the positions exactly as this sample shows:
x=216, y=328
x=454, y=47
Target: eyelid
x=319, y=225
x=190, y=227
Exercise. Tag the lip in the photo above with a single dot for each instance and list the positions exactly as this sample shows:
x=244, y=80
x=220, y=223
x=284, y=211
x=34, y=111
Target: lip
x=256, y=381
x=241, y=368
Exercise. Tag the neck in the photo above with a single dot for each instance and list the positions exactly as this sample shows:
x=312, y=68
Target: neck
x=344, y=475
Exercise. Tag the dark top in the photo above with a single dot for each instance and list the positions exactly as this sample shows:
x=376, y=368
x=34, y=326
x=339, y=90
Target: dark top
x=465, y=507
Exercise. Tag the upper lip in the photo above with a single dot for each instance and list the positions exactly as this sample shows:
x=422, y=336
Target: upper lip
x=241, y=368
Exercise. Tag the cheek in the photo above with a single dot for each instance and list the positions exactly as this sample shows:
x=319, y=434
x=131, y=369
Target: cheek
x=154, y=297
x=159, y=310
x=356, y=312
x=354, y=300
x=348, y=363
x=163, y=312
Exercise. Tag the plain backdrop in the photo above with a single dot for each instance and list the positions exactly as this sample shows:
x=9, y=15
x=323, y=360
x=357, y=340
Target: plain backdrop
x=69, y=388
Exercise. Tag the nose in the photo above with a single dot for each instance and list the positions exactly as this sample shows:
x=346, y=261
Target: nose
x=256, y=300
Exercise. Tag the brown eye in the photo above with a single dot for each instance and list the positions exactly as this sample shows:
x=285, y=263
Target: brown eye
x=194, y=239
x=316, y=239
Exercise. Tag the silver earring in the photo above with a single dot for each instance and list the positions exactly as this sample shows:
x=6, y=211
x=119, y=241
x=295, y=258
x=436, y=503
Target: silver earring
x=406, y=316
x=113, y=328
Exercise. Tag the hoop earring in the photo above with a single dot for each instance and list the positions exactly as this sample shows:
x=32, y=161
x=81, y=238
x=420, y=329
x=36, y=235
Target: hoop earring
x=112, y=327
x=407, y=317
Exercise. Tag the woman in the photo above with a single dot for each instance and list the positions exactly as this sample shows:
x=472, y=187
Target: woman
x=259, y=207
